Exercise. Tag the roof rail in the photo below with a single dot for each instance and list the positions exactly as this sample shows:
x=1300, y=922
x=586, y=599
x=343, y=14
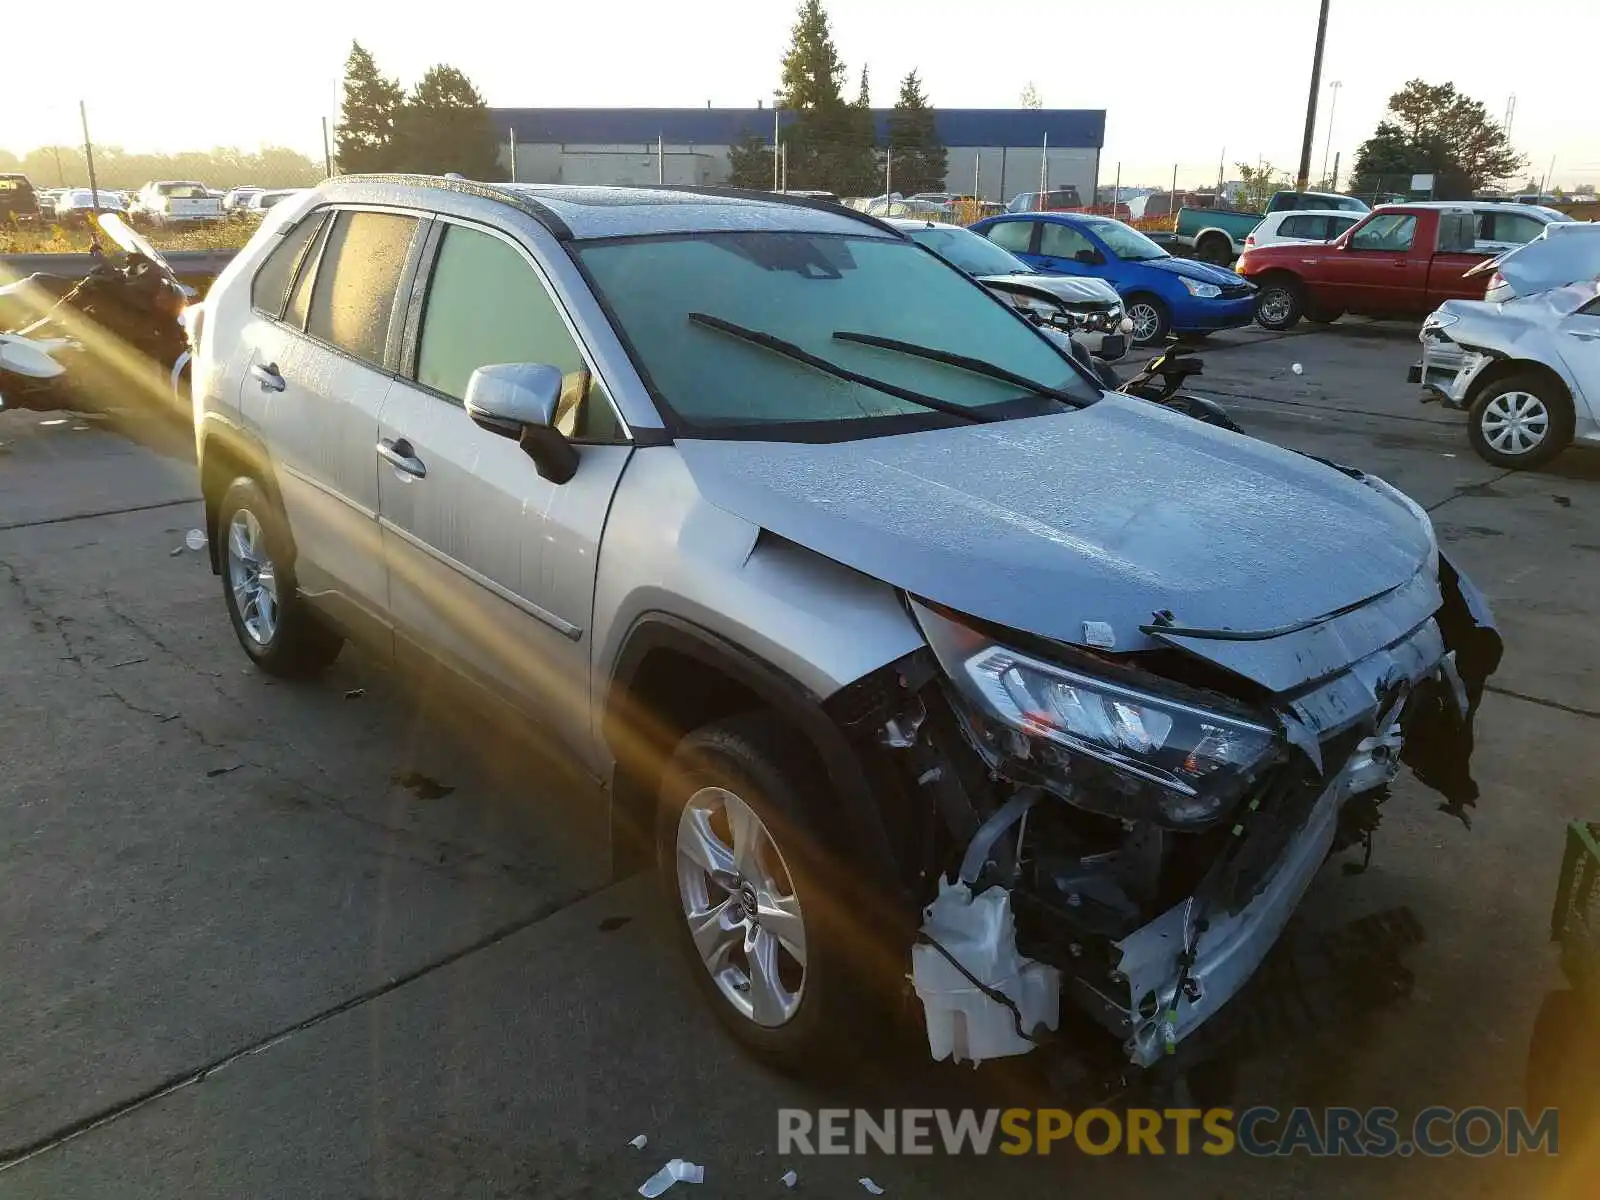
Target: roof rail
x=515, y=197
x=811, y=202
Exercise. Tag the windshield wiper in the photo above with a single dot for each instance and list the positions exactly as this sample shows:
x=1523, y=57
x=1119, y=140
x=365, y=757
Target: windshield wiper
x=976, y=365
x=791, y=351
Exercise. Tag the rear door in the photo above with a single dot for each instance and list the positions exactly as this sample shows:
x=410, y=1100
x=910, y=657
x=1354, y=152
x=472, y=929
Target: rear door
x=1019, y=235
x=491, y=566
x=314, y=386
x=1580, y=348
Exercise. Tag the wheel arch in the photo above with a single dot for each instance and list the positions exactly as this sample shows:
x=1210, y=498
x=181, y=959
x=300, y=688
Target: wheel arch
x=227, y=451
x=1503, y=368
x=672, y=676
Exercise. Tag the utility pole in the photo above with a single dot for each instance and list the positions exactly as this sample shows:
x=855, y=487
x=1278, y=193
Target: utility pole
x=327, y=154
x=888, y=172
x=661, y=159
x=776, y=153
x=88, y=155
x=1116, y=190
x=1333, y=107
x=977, y=176
x=511, y=135
x=1304, y=177
x=1044, y=170
x=1334, y=185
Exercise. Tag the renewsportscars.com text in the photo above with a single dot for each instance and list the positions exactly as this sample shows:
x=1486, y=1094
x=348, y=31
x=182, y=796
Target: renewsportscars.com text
x=1261, y=1132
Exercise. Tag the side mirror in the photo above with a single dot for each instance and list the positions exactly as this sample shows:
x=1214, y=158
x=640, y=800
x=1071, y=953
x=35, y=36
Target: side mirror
x=1089, y=258
x=519, y=401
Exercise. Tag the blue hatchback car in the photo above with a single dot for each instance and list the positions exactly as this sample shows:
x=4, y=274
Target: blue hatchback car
x=1163, y=294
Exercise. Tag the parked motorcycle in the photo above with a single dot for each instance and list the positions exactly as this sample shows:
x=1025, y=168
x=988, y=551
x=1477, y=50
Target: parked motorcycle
x=1163, y=376
x=111, y=332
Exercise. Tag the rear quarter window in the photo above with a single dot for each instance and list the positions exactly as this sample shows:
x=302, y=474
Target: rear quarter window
x=270, y=287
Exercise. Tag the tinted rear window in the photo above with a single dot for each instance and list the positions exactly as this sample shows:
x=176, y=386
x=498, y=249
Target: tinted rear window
x=357, y=280
x=270, y=287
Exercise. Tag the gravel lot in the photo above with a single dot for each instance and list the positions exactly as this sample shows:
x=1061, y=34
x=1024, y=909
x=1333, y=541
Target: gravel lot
x=240, y=959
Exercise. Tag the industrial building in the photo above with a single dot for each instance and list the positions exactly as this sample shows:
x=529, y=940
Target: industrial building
x=994, y=153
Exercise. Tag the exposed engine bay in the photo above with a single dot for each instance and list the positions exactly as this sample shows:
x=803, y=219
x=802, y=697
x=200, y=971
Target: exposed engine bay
x=1108, y=845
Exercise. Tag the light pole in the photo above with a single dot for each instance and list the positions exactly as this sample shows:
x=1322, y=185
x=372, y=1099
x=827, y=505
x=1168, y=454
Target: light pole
x=1304, y=176
x=1333, y=107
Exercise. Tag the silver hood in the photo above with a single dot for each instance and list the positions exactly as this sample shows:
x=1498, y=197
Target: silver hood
x=1071, y=290
x=1101, y=517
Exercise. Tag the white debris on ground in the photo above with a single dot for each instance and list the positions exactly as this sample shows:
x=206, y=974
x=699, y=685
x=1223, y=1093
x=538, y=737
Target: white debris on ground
x=788, y=1179
x=639, y=1143
x=195, y=539
x=676, y=1171
x=870, y=1186
x=1298, y=369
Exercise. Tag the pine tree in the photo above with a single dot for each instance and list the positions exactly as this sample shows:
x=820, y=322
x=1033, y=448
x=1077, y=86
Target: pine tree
x=825, y=144
x=365, y=137
x=920, y=162
x=750, y=163
x=445, y=126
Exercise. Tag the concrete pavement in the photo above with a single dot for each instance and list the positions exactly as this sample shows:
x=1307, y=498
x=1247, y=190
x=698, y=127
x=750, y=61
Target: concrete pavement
x=241, y=960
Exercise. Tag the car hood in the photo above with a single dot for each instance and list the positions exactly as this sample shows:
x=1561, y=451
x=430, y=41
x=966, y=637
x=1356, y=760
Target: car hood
x=1093, y=520
x=1190, y=269
x=1547, y=262
x=1069, y=289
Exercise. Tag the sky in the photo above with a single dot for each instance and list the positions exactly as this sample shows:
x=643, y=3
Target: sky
x=1184, y=82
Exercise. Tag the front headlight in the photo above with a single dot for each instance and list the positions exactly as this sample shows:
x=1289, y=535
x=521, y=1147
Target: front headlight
x=1439, y=320
x=1204, y=291
x=1116, y=748
x=1035, y=308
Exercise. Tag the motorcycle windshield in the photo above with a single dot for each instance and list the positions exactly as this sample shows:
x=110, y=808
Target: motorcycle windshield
x=125, y=236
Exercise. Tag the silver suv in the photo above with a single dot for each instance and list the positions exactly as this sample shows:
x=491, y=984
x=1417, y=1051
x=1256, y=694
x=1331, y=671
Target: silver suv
x=881, y=626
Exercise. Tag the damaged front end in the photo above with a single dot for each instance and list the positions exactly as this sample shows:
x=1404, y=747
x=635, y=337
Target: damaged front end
x=1126, y=835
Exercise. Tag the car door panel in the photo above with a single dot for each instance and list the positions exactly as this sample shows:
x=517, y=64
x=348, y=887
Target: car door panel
x=491, y=566
x=315, y=385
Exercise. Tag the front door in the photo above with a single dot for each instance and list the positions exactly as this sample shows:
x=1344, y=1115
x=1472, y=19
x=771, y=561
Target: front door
x=1379, y=269
x=492, y=566
x=1067, y=250
x=315, y=384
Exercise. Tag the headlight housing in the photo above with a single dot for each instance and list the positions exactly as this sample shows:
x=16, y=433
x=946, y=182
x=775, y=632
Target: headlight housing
x=1439, y=320
x=1110, y=746
x=1200, y=289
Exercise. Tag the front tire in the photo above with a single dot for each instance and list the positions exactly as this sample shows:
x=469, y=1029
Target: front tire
x=1280, y=304
x=758, y=919
x=1521, y=421
x=1151, y=321
x=273, y=623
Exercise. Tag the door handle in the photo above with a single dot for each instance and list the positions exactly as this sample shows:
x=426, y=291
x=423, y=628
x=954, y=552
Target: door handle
x=267, y=376
x=397, y=452
x=1584, y=335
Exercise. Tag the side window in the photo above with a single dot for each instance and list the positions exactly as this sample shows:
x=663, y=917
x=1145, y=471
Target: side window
x=300, y=297
x=1295, y=227
x=1014, y=236
x=1390, y=232
x=1515, y=228
x=487, y=305
x=270, y=288
x=1062, y=241
x=353, y=299
x=1337, y=225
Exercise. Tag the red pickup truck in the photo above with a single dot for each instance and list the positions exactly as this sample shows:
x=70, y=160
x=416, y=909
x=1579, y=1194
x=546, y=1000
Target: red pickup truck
x=1402, y=260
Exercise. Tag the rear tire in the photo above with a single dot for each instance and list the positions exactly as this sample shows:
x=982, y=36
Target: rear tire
x=1521, y=421
x=1214, y=249
x=1280, y=304
x=764, y=934
x=274, y=624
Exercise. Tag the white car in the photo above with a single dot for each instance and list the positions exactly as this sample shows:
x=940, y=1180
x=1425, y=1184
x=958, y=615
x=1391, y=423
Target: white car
x=258, y=203
x=236, y=199
x=1302, y=225
x=1529, y=374
x=176, y=202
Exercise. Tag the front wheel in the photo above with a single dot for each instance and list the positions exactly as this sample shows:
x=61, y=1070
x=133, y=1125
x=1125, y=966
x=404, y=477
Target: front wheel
x=759, y=918
x=1280, y=304
x=273, y=623
x=1151, y=320
x=1521, y=421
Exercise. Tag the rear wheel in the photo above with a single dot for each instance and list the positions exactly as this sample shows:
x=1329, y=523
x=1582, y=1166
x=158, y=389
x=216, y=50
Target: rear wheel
x=1151, y=320
x=1214, y=248
x=1280, y=304
x=273, y=623
x=1521, y=421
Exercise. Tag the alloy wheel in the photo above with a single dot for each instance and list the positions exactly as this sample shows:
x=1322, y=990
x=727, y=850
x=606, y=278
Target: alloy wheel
x=740, y=903
x=1146, y=320
x=253, y=577
x=1515, y=422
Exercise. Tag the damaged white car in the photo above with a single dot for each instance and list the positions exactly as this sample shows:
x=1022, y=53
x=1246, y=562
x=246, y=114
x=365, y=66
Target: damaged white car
x=898, y=646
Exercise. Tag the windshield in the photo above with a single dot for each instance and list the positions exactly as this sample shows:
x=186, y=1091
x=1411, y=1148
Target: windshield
x=804, y=288
x=973, y=254
x=1124, y=241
